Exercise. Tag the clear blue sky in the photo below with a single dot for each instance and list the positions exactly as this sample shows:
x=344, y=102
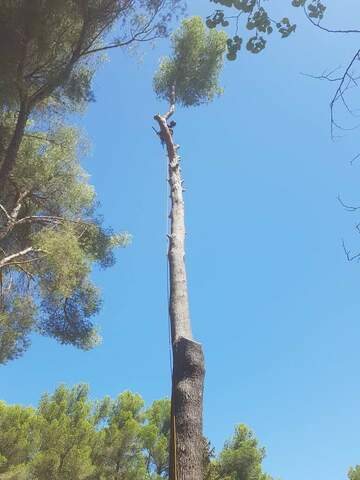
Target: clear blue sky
x=273, y=299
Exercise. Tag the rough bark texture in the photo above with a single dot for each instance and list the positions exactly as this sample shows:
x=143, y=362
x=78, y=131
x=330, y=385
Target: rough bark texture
x=186, y=454
x=186, y=446
x=12, y=151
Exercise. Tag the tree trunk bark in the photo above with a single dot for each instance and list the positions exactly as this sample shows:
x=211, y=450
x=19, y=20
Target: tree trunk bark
x=12, y=150
x=186, y=452
x=27, y=106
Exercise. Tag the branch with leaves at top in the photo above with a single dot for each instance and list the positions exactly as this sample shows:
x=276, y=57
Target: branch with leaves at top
x=13, y=258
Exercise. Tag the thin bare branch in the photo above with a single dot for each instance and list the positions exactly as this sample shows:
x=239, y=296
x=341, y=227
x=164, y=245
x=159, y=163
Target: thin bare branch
x=171, y=110
x=348, y=208
x=321, y=77
x=10, y=258
x=41, y=219
x=350, y=257
x=354, y=158
x=326, y=29
x=5, y=212
x=28, y=274
x=339, y=92
x=12, y=217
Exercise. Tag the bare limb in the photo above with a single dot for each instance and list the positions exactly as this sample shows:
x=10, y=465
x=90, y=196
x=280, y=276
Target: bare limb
x=10, y=258
x=5, y=212
x=142, y=36
x=325, y=76
x=350, y=257
x=41, y=219
x=339, y=92
x=329, y=30
x=354, y=158
x=348, y=208
x=172, y=103
x=12, y=217
x=28, y=274
x=345, y=81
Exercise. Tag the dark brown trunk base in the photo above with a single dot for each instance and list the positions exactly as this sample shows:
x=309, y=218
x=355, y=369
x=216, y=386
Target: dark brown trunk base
x=186, y=455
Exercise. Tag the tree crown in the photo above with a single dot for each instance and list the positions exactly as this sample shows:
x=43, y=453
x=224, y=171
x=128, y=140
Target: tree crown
x=192, y=70
x=50, y=237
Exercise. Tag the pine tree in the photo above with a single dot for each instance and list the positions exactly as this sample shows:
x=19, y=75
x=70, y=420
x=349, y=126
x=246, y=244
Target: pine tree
x=50, y=238
x=189, y=78
x=241, y=458
x=49, y=50
x=50, y=235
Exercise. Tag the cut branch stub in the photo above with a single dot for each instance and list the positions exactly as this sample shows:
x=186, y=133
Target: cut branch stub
x=186, y=454
x=179, y=304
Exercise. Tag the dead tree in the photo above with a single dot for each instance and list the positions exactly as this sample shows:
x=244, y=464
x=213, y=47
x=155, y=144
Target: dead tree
x=186, y=455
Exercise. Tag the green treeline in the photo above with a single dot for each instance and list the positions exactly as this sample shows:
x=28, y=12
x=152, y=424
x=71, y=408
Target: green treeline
x=70, y=437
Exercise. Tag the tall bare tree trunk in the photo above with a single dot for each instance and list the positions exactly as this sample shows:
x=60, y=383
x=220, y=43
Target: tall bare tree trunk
x=186, y=446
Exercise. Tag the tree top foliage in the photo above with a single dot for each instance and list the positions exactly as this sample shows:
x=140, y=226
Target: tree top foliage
x=192, y=70
x=258, y=20
x=47, y=46
x=49, y=51
x=242, y=457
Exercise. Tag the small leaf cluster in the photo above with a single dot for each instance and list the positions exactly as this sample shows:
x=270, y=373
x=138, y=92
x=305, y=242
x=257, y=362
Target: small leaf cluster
x=315, y=8
x=217, y=19
x=354, y=473
x=259, y=21
x=233, y=46
x=285, y=28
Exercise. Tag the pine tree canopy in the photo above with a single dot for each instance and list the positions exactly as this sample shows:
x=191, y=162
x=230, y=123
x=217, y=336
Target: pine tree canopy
x=50, y=237
x=49, y=51
x=70, y=437
x=354, y=473
x=242, y=457
x=46, y=47
x=194, y=66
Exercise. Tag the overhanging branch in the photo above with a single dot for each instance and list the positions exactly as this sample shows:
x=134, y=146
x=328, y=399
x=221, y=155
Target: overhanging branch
x=11, y=259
